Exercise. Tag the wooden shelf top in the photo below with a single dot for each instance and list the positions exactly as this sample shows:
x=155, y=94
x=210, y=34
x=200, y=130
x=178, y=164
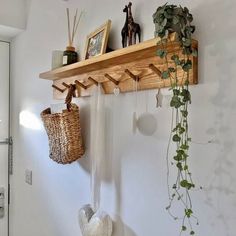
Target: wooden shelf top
x=121, y=56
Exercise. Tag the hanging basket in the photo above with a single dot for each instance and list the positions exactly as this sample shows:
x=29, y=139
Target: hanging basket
x=64, y=134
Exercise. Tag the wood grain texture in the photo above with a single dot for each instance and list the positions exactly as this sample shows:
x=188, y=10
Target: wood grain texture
x=139, y=59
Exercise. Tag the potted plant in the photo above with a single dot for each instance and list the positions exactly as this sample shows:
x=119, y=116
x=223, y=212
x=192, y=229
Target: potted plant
x=169, y=19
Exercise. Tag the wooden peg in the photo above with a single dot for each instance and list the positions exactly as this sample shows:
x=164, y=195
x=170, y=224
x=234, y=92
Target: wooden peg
x=93, y=81
x=59, y=89
x=130, y=74
x=80, y=84
x=112, y=79
x=66, y=85
x=155, y=70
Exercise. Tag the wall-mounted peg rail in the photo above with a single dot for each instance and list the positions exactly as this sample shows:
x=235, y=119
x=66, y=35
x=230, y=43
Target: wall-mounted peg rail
x=119, y=68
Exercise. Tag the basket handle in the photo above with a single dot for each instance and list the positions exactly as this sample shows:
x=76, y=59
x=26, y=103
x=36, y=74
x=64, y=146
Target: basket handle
x=70, y=94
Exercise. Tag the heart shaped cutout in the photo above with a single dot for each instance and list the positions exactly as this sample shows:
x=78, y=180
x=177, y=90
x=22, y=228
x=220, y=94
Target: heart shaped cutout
x=116, y=91
x=94, y=223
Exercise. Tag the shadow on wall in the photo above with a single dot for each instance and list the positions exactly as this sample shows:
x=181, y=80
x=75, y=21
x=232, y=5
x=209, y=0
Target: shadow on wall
x=218, y=63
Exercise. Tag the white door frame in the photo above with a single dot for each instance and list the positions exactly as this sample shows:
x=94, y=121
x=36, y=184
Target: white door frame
x=8, y=142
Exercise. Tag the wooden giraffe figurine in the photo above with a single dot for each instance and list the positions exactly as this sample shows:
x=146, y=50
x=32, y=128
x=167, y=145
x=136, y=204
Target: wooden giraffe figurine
x=124, y=31
x=133, y=28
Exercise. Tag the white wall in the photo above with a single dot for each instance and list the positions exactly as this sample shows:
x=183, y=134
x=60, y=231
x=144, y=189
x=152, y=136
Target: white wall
x=13, y=13
x=13, y=17
x=134, y=181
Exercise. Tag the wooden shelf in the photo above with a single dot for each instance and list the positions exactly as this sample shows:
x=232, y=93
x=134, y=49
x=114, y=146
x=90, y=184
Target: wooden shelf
x=124, y=65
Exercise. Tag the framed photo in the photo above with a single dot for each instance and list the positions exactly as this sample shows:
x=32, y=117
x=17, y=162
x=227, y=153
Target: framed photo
x=96, y=42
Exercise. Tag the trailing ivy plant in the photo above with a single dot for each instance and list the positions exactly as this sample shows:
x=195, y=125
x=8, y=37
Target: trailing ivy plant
x=169, y=19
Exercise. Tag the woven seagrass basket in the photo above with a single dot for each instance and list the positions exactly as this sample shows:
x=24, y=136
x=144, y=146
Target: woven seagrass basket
x=64, y=134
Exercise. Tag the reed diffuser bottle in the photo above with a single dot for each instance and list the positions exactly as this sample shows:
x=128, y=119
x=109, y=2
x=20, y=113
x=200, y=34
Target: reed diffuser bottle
x=70, y=55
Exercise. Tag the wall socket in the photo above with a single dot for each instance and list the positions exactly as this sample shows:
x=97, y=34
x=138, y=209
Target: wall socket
x=28, y=177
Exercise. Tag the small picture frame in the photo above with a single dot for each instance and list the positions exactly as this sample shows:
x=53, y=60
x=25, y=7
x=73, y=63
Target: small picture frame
x=96, y=43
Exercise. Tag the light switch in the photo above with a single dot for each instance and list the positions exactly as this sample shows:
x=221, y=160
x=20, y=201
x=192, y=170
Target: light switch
x=28, y=177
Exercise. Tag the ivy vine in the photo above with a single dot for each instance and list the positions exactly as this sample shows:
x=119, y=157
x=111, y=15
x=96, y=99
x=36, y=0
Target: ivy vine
x=169, y=19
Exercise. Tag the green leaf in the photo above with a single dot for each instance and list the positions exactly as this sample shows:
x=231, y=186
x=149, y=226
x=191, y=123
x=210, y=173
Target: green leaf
x=179, y=166
x=190, y=17
x=184, y=228
x=186, y=95
x=165, y=74
x=185, y=167
x=188, y=212
x=184, y=113
x=187, y=66
x=184, y=183
x=184, y=147
x=175, y=102
x=175, y=20
x=161, y=53
x=175, y=58
x=171, y=69
x=176, y=138
x=186, y=42
x=176, y=92
x=178, y=158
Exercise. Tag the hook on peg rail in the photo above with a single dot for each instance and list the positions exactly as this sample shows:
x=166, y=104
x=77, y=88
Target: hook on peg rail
x=59, y=89
x=93, y=81
x=155, y=70
x=130, y=74
x=66, y=85
x=112, y=79
x=80, y=84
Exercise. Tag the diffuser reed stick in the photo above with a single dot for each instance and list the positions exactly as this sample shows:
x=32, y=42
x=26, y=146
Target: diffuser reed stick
x=68, y=22
x=71, y=35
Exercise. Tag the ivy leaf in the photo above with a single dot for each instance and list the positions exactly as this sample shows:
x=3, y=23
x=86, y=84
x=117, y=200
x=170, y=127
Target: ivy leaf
x=184, y=183
x=184, y=228
x=190, y=17
x=188, y=212
x=178, y=158
x=184, y=147
x=161, y=53
x=176, y=92
x=171, y=69
x=186, y=95
x=186, y=42
x=184, y=113
x=179, y=166
x=187, y=66
x=175, y=58
x=165, y=74
x=192, y=233
x=175, y=20
x=185, y=167
x=175, y=102
x=176, y=138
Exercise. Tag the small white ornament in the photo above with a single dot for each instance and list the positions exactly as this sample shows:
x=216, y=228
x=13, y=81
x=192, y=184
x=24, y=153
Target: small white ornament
x=94, y=223
x=159, y=98
x=116, y=91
